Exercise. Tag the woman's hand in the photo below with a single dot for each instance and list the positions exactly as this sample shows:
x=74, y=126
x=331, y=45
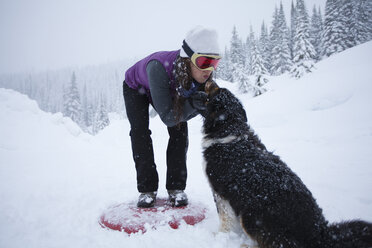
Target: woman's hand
x=198, y=100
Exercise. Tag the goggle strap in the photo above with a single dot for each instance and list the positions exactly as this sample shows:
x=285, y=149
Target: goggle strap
x=187, y=49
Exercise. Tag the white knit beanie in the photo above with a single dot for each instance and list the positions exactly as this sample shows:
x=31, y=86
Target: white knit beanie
x=202, y=40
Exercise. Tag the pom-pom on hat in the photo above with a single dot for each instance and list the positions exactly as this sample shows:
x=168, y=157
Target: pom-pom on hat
x=201, y=40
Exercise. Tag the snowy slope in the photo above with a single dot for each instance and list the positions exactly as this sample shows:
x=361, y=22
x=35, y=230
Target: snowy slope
x=55, y=181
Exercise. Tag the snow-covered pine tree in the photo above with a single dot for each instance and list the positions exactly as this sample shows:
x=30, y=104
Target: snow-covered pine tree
x=237, y=60
x=368, y=20
x=116, y=100
x=101, y=119
x=363, y=20
x=281, y=54
x=292, y=28
x=90, y=113
x=223, y=70
x=333, y=29
x=248, y=51
x=228, y=66
x=303, y=50
x=86, y=118
x=236, y=48
x=265, y=46
x=72, y=104
x=316, y=30
x=348, y=22
x=242, y=78
x=259, y=71
x=274, y=39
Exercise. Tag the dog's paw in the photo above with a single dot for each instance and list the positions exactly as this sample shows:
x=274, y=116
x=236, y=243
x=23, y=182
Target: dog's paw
x=248, y=246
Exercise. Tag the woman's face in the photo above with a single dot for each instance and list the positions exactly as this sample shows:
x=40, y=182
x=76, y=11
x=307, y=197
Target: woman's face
x=199, y=75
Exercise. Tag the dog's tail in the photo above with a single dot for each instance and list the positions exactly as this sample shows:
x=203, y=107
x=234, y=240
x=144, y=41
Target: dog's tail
x=350, y=234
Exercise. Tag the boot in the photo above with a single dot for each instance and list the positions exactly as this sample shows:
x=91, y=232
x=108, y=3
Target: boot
x=146, y=200
x=177, y=198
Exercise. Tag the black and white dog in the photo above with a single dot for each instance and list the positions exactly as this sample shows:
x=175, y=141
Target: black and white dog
x=255, y=191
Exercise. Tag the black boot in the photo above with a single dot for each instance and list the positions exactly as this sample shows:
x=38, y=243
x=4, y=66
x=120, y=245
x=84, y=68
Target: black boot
x=146, y=200
x=177, y=198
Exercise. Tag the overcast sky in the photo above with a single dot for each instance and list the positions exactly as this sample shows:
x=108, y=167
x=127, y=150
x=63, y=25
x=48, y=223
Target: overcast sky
x=38, y=35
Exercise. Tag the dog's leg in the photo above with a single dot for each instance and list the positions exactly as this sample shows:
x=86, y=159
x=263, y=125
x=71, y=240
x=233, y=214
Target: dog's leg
x=230, y=222
x=248, y=246
x=228, y=219
x=251, y=243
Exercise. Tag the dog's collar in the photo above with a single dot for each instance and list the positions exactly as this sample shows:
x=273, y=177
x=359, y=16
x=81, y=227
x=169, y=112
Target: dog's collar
x=207, y=142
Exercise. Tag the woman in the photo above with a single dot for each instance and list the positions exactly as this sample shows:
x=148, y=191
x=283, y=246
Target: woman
x=173, y=83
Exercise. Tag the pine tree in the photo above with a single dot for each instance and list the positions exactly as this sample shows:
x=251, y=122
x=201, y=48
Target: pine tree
x=228, y=67
x=316, y=30
x=368, y=20
x=242, y=78
x=237, y=60
x=348, y=22
x=87, y=117
x=236, y=50
x=292, y=28
x=264, y=46
x=303, y=50
x=101, y=119
x=223, y=70
x=248, y=51
x=90, y=115
x=259, y=71
x=333, y=29
x=363, y=20
x=281, y=57
x=274, y=38
x=72, y=104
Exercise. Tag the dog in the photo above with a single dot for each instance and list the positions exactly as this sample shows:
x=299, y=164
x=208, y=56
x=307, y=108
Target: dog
x=257, y=193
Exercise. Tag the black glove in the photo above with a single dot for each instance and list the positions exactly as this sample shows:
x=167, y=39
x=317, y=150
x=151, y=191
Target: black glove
x=198, y=100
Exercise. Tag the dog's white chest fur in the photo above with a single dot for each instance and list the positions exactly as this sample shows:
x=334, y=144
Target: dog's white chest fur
x=207, y=142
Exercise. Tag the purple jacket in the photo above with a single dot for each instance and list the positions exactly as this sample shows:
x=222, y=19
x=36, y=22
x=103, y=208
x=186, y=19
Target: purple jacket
x=154, y=77
x=136, y=76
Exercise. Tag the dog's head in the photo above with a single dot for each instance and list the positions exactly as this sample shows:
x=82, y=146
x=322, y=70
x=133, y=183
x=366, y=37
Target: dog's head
x=223, y=108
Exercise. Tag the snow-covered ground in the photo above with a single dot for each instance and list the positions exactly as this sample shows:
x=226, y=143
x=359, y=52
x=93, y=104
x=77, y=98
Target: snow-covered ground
x=55, y=181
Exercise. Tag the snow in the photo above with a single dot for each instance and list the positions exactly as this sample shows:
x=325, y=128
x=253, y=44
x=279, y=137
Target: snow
x=56, y=181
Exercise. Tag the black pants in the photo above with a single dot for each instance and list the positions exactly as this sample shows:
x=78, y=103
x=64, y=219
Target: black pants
x=137, y=107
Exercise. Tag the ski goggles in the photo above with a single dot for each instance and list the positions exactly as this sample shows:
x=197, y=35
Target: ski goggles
x=203, y=61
